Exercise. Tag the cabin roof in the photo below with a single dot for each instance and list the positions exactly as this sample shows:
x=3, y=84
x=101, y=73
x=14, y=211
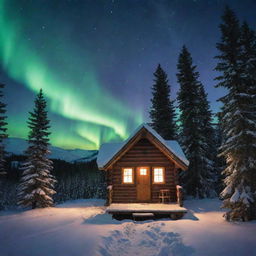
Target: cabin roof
x=108, y=151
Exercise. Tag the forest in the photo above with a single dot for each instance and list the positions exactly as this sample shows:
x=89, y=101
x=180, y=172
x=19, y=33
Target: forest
x=75, y=181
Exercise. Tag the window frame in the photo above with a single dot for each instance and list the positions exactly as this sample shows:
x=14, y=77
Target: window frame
x=147, y=170
x=153, y=176
x=127, y=183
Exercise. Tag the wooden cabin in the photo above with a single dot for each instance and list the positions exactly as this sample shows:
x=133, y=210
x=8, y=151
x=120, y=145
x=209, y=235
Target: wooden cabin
x=142, y=169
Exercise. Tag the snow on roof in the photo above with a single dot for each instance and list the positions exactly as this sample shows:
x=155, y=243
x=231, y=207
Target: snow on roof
x=108, y=150
x=175, y=148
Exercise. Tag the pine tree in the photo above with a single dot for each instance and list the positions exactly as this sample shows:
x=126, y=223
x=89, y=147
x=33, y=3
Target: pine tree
x=207, y=140
x=162, y=112
x=37, y=184
x=237, y=117
x=248, y=60
x=3, y=129
x=196, y=129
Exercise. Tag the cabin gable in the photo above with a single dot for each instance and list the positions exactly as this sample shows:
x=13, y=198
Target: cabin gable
x=143, y=151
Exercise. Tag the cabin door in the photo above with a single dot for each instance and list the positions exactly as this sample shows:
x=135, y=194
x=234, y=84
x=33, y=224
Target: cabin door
x=143, y=184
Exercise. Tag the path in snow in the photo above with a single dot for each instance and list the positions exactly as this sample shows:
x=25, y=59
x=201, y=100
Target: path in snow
x=150, y=240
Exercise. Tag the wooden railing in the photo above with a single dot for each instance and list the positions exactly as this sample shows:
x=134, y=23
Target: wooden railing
x=179, y=191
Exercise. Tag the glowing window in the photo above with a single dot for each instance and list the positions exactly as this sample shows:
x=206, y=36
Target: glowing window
x=158, y=175
x=143, y=171
x=127, y=175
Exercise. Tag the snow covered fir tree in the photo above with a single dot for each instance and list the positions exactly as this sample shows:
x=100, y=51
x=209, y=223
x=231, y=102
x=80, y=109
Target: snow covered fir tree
x=196, y=131
x=162, y=112
x=237, y=67
x=37, y=183
x=208, y=138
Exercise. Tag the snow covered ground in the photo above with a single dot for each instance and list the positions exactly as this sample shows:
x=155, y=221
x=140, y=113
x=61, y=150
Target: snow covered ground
x=82, y=228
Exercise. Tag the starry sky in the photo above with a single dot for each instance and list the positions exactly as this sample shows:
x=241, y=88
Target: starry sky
x=94, y=60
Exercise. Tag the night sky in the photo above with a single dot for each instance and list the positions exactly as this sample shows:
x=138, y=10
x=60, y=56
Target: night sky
x=95, y=60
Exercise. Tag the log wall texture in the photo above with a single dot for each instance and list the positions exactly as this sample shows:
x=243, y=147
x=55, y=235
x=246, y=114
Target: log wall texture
x=142, y=154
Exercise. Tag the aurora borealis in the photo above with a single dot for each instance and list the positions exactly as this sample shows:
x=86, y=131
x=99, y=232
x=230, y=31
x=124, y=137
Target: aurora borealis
x=94, y=60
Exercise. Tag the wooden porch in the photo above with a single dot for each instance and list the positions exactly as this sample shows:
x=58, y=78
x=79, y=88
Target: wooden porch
x=173, y=210
x=146, y=210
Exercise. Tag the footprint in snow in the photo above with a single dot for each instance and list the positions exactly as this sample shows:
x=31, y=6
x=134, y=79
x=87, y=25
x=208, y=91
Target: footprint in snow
x=151, y=241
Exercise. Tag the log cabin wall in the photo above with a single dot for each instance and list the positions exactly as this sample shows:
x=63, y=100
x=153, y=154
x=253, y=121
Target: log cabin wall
x=142, y=154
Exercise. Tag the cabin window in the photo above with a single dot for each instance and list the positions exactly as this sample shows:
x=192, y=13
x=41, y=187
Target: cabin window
x=158, y=175
x=127, y=175
x=143, y=171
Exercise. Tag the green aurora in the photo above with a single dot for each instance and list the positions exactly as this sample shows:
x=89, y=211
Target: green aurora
x=74, y=93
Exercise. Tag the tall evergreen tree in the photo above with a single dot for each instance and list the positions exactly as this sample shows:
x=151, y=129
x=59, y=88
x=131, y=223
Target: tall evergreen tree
x=196, y=129
x=162, y=112
x=3, y=129
x=207, y=139
x=237, y=117
x=248, y=60
x=37, y=184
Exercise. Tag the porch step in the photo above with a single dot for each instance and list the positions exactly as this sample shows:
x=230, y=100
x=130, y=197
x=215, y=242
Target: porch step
x=143, y=215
